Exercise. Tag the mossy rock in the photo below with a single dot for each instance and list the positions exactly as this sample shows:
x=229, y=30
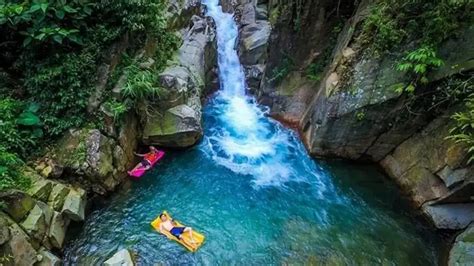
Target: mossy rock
x=18, y=204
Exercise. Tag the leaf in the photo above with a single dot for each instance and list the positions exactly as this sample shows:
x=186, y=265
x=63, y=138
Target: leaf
x=69, y=9
x=27, y=41
x=33, y=107
x=60, y=14
x=37, y=133
x=410, y=88
x=28, y=119
x=44, y=6
x=58, y=38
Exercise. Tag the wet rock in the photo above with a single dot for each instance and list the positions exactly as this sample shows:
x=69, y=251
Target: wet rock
x=261, y=12
x=75, y=204
x=18, y=204
x=254, y=42
x=122, y=257
x=248, y=14
x=254, y=74
x=127, y=138
x=462, y=252
x=57, y=229
x=48, y=258
x=450, y=216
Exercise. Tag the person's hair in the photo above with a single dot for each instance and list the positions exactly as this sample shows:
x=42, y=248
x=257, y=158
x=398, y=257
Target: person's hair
x=161, y=215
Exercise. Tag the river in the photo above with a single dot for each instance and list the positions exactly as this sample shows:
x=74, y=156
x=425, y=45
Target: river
x=252, y=189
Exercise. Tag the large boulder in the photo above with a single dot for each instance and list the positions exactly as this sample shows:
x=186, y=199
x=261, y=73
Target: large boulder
x=450, y=216
x=48, y=258
x=37, y=222
x=462, y=252
x=177, y=119
x=179, y=127
x=4, y=229
x=57, y=230
x=19, y=247
x=75, y=204
x=17, y=204
x=41, y=189
x=254, y=42
x=58, y=196
x=121, y=258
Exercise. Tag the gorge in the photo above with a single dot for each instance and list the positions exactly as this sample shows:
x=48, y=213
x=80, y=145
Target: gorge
x=257, y=101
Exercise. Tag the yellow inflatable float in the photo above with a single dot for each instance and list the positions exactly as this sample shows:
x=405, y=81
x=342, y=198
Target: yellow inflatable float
x=185, y=238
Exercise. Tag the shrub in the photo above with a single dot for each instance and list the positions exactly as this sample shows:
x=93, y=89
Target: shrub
x=463, y=132
x=20, y=127
x=10, y=172
x=417, y=64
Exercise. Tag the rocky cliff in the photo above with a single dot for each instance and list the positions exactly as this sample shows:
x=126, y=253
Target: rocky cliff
x=92, y=161
x=351, y=109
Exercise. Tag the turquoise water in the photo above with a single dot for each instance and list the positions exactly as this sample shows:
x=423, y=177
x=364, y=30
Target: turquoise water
x=251, y=188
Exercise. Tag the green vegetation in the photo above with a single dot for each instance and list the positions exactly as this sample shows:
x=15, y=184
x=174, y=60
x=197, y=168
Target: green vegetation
x=316, y=69
x=50, y=52
x=417, y=64
x=392, y=23
x=283, y=69
x=463, y=132
x=11, y=175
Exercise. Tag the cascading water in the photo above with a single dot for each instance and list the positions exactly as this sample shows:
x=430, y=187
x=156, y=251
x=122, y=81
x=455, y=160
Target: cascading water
x=245, y=140
x=251, y=188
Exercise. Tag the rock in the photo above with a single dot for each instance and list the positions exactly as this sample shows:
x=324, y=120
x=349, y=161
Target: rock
x=48, y=258
x=261, y=12
x=75, y=204
x=254, y=42
x=4, y=229
x=454, y=177
x=177, y=120
x=99, y=155
x=57, y=229
x=41, y=189
x=19, y=247
x=450, y=216
x=248, y=14
x=35, y=225
x=127, y=138
x=462, y=252
x=58, y=196
x=121, y=258
x=18, y=204
x=253, y=75
x=179, y=127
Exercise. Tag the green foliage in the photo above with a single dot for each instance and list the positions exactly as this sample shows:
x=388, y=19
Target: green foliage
x=283, y=69
x=417, y=64
x=116, y=108
x=20, y=127
x=66, y=81
x=463, y=132
x=10, y=172
x=316, y=69
x=394, y=22
x=360, y=115
x=141, y=84
x=46, y=21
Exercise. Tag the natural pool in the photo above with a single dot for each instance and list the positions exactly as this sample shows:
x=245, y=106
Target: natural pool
x=251, y=188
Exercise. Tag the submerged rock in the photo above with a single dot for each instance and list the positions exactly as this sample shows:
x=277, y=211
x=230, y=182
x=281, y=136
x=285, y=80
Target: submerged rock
x=121, y=258
x=48, y=258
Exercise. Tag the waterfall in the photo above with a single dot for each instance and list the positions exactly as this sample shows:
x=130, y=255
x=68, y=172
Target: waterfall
x=244, y=139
